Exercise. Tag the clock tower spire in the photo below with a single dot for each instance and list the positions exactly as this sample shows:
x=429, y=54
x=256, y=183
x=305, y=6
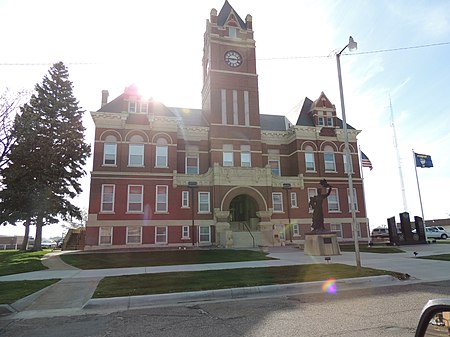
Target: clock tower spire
x=230, y=98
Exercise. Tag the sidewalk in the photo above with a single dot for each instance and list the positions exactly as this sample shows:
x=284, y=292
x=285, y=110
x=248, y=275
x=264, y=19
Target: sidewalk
x=72, y=295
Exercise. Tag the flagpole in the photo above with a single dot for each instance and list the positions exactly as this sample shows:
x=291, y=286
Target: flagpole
x=364, y=193
x=420, y=197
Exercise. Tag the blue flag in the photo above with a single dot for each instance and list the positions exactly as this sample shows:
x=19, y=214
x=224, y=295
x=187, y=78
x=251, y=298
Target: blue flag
x=423, y=160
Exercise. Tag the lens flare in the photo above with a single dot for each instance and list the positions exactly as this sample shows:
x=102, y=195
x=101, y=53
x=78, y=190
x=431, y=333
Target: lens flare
x=329, y=286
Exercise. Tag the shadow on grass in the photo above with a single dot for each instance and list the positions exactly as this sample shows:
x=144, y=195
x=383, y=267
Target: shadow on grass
x=16, y=261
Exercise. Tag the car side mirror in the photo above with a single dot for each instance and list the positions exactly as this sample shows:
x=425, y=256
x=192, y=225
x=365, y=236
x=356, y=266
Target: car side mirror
x=435, y=319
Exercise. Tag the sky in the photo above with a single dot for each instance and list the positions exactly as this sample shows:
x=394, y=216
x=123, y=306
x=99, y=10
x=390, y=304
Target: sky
x=399, y=73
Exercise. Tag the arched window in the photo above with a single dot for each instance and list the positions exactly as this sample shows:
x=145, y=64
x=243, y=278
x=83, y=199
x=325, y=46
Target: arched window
x=161, y=153
x=110, y=150
x=328, y=156
x=136, y=151
x=309, y=158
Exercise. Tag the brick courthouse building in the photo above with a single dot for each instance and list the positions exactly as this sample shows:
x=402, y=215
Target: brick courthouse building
x=224, y=175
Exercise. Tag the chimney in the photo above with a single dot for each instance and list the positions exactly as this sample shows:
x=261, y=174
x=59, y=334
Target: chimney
x=105, y=95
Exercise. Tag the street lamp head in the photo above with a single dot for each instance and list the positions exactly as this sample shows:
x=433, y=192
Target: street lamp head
x=352, y=45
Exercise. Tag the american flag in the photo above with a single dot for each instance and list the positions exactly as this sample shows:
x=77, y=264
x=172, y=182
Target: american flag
x=365, y=161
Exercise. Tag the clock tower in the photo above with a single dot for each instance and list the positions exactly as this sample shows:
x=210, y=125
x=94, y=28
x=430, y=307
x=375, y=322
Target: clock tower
x=230, y=98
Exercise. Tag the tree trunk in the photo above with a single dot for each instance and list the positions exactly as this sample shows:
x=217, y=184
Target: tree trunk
x=38, y=237
x=26, y=235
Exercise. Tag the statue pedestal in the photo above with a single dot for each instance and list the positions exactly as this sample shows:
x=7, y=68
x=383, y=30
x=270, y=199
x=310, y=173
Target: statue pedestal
x=321, y=244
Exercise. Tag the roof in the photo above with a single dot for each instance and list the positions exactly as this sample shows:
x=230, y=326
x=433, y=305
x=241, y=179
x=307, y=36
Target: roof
x=225, y=13
x=274, y=123
x=190, y=117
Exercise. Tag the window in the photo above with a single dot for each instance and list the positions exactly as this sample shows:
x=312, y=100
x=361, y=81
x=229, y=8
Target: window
x=296, y=229
x=134, y=234
x=275, y=166
x=320, y=121
x=135, y=195
x=355, y=199
x=344, y=157
x=274, y=161
x=328, y=156
x=312, y=192
x=136, y=151
x=144, y=107
x=333, y=201
x=204, y=234
x=131, y=106
x=228, y=155
x=337, y=228
x=185, y=232
x=192, y=160
x=277, y=202
x=185, y=199
x=245, y=156
x=161, y=234
x=309, y=159
x=294, y=200
x=109, y=153
x=161, y=198
x=232, y=32
x=329, y=121
x=161, y=153
x=203, y=202
x=107, y=198
x=105, y=236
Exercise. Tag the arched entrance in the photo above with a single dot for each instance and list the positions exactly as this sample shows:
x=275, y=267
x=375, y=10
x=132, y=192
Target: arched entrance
x=243, y=210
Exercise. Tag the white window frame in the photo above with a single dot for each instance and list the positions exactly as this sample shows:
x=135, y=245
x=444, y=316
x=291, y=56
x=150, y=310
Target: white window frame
x=161, y=199
x=193, y=155
x=204, y=205
x=310, y=155
x=162, y=156
x=144, y=107
x=293, y=200
x=107, y=201
x=296, y=229
x=184, y=199
x=185, y=232
x=137, y=196
x=331, y=202
x=163, y=235
x=200, y=234
x=110, y=154
x=329, y=161
x=320, y=121
x=329, y=121
x=228, y=155
x=337, y=228
x=344, y=158
x=134, y=232
x=312, y=192
x=276, y=170
x=246, y=156
x=136, y=151
x=277, y=202
x=132, y=106
x=100, y=236
x=232, y=32
x=354, y=198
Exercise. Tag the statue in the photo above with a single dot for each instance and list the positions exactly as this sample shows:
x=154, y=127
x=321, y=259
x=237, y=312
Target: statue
x=316, y=204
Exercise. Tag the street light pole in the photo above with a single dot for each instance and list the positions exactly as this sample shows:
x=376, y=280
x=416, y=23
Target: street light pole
x=351, y=46
x=192, y=186
x=287, y=187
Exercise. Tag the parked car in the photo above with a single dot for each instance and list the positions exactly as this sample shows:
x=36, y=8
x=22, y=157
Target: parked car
x=442, y=231
x=48, y=244
x=434, y=233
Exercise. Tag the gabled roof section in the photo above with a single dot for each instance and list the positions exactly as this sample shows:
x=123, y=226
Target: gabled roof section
x=229, y=17
x=305, y=118
x=323, y=102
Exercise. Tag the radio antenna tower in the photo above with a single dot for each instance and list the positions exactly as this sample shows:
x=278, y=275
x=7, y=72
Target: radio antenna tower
x=402, y=184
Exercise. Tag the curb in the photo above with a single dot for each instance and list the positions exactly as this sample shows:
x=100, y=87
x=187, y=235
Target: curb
x=142, y=301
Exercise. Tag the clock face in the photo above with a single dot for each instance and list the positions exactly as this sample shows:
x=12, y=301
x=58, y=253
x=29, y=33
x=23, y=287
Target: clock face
x=233, y=58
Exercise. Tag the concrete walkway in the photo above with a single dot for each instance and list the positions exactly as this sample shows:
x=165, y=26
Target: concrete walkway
x=72, y=295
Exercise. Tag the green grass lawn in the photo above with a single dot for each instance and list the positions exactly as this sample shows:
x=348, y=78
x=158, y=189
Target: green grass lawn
x=441, y=257
x=15, y=290
x=373, y=249
x=101, y=260
x=146, y=284
x=16, y=261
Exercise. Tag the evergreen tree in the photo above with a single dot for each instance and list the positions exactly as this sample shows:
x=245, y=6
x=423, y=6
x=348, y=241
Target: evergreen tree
x=49, y=154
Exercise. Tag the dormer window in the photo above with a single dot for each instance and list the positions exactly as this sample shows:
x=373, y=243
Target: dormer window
x=329, y=121
x=320, y=121
x=232, y=32
x=144, y=107
x=131, y=106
